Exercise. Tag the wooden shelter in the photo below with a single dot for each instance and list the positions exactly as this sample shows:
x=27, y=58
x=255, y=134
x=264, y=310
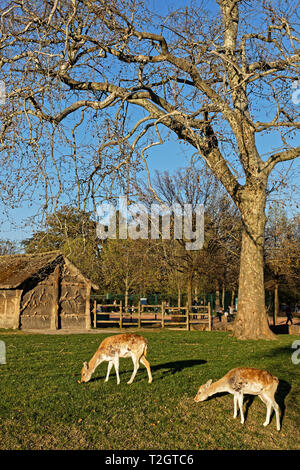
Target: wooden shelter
x=43, y=291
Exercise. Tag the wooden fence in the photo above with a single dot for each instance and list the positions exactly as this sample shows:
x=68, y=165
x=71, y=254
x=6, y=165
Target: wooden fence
x=150, y=315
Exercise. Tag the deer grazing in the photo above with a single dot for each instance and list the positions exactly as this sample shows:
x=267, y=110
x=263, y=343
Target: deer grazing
x=114, y=347
x=245, y=380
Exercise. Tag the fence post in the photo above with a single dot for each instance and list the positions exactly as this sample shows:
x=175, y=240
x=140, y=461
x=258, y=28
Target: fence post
x=121, y=323
x=209, y=316
x=95, y=313
x=139, y=315
x=163, y=314
x=187, y=316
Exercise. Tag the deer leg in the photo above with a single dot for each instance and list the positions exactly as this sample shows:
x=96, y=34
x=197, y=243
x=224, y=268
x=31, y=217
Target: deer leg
x=271, y=404
x=147, y=365
x=269, y=408
x=110, y=364
x=135, y=368
x=240, y=398
x=116, y=364
x=268, y=404
x=235, y=401
x=276, y=409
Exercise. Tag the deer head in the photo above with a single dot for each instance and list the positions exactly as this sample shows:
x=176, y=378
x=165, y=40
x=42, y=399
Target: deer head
x=86, y=373
x=202, y=393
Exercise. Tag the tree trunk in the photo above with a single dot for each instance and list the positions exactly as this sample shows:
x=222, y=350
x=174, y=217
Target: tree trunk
x=276, y=302
x=126, y=301
x=189, y=291
x=217, y=306
x=251, y=321
x=126, y=294
x=223, y=296
x=232, y=297
x=178, y=296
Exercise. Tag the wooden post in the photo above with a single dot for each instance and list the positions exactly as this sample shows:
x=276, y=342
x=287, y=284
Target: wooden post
x=17, y=320
x=95, y=313
x=55, y=307
x=163, y=314
x=187, y=316
x=139, y=315
x=209, y=316
x=88, y=320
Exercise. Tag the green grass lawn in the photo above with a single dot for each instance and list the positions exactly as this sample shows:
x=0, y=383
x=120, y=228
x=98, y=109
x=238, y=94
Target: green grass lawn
x=43, y=407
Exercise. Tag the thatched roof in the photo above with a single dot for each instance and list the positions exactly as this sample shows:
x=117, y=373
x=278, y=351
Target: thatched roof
x=15, y=269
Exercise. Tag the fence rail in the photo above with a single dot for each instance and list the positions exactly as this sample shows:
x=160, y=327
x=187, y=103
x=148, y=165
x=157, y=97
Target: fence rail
x=146, y=315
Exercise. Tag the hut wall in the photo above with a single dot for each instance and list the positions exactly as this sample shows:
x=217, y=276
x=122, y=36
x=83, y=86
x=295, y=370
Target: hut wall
x=38, y=302
x=55, y=297
x=10, y=308
x=74, y=295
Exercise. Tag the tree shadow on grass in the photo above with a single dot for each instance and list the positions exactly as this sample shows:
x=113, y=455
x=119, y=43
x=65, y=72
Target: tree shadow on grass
x=177, y=366
x=282, y=351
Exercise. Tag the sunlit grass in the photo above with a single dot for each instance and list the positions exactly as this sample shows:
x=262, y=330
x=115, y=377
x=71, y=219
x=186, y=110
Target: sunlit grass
x=43, y=407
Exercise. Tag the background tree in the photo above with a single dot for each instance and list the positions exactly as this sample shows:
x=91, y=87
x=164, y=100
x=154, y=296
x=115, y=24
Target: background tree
x=129, y=266
x=73, y=233
x=219, y=80
x=225, y=246
x=7, y=247
x=216, y=264
x=282, y=256
x=193, y=186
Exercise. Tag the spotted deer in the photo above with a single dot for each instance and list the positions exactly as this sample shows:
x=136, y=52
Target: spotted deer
x=245, y=380
x=114, y=347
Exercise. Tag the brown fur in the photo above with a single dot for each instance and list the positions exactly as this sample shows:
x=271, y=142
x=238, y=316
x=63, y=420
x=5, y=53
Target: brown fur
x=128, y=338
x=248, y=374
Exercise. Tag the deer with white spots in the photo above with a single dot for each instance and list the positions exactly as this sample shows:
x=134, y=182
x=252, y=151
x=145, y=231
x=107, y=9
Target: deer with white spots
x=114, y=347
x=245, y=380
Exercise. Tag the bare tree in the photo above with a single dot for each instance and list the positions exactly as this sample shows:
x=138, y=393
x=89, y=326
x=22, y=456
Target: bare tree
x=282, y=254
x=218, y=258
x=7, y=247
x=219, y=80
x=129, y=266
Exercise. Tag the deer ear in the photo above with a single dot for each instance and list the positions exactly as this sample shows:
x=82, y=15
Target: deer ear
x=208, y=383
x=85, y=365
